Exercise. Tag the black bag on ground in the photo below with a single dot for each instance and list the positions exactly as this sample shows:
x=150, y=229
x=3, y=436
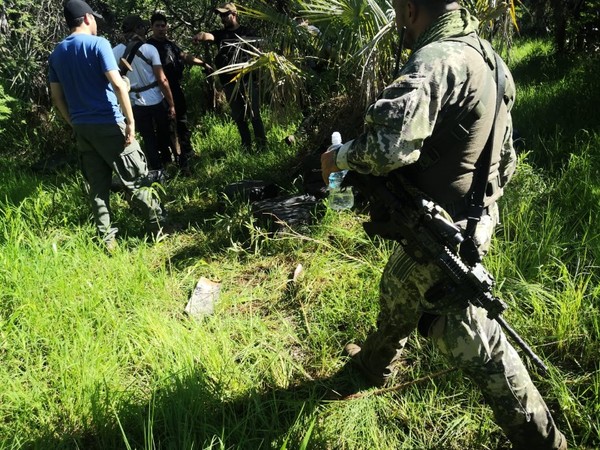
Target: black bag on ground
x=251, y=190
x=287, y=211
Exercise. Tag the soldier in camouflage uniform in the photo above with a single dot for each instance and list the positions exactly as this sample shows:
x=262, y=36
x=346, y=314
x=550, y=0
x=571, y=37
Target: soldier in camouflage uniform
x=433, y=122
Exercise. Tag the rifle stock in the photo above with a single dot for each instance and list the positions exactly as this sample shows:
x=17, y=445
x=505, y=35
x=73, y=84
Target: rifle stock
x=400, y=213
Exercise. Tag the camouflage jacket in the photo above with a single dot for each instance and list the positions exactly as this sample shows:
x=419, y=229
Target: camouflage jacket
x=442, y=79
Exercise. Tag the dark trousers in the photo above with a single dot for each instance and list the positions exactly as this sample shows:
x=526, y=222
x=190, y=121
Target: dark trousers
x=245, y=104
x=153, y=124
x=184, y=135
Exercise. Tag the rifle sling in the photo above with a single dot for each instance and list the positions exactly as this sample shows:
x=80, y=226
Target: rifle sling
x=480, y=178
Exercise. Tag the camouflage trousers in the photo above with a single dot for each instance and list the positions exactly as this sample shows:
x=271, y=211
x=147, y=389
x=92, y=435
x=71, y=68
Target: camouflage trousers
x=469, y=340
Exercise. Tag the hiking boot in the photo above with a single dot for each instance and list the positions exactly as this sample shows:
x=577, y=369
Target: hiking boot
x=109, y=240
x=375, y=378
x=563, y=443
x=111, y=245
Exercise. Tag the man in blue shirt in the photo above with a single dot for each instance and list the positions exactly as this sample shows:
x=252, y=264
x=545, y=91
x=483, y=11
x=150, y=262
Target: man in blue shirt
x=87, y=89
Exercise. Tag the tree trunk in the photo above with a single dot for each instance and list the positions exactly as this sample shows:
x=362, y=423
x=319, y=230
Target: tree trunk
x=559, y=13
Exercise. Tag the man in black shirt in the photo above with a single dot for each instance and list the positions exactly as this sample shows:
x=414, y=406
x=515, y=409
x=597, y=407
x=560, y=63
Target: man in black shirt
x=173, y=60
x=229, y=40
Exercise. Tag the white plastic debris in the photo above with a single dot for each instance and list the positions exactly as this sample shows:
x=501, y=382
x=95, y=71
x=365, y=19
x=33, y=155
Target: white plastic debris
x=297, y=273
x=203, y=299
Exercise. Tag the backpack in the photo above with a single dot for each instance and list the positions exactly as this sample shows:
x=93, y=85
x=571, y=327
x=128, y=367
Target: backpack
x=131, y=51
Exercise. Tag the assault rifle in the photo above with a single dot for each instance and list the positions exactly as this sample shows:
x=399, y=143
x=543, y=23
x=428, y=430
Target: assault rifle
x=400, y=213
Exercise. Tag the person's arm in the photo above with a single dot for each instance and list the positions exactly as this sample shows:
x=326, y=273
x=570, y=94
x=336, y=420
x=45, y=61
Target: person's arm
x=59, y=101
x=192, y=60
x=203, y=36
x=508, y=155
x=163, y=84
x=152, y=54
x=120, y=88
x=404, y=116
x=396, y=126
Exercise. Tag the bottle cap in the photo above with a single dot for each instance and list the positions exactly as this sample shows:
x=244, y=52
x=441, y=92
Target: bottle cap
x=336, y=138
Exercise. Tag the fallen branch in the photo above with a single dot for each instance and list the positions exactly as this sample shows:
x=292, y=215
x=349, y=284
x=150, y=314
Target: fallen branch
x=401, y=386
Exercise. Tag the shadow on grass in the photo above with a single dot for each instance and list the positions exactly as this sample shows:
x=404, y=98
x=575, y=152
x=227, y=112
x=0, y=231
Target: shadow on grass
x=23, y=183
x=193, y=412
x=539, y=68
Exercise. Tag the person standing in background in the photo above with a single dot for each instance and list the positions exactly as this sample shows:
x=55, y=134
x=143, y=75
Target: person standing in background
x=89, y=93
x=245, y=101
x=173, y=60
x=150, y=93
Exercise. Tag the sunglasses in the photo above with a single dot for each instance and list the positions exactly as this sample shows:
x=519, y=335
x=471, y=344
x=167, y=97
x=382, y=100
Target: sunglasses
x=225, y=14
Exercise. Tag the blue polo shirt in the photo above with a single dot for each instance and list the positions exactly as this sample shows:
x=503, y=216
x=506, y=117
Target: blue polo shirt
x=79, y=64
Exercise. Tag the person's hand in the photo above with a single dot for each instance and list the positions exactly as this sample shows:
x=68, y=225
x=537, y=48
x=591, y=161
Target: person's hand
x=129, y=134
x=328, y=162
x=171, y=113
x=198, y=37
x=208, y=69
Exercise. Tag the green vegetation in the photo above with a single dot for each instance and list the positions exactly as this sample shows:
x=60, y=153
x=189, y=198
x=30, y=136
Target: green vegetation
x=96, y=352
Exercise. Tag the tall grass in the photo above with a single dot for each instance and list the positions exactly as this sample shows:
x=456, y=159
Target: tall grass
x=96, y=352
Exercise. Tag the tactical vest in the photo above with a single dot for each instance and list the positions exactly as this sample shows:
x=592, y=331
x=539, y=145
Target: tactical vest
x=449, y=157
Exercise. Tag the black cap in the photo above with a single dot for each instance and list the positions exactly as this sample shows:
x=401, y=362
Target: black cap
x=130, y=23
x=74, y=9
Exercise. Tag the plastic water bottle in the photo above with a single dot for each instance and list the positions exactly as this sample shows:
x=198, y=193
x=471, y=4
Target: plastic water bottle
x=339, y=198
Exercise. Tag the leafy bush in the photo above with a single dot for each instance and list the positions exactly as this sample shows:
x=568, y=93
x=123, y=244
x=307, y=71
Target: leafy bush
x=31, y=31
x=5, y=110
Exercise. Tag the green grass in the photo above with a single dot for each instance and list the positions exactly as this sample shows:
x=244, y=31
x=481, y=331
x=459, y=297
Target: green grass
x=96, y=352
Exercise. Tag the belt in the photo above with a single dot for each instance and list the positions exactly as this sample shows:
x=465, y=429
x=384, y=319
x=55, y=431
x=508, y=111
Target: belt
x=144, y=88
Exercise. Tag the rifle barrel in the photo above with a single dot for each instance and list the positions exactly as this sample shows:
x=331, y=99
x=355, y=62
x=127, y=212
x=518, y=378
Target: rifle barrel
x=522, y=344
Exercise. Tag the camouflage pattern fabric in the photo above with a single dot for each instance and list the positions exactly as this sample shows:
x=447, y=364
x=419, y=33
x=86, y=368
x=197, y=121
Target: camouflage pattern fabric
x=397, y=124
x=468, y=339
x=436, y=78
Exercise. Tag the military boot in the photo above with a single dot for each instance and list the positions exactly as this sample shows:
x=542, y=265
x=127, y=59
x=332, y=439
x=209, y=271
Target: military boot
x=378, y=375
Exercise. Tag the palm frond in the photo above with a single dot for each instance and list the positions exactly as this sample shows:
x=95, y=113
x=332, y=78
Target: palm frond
x=280, y=80
x=497, y=19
